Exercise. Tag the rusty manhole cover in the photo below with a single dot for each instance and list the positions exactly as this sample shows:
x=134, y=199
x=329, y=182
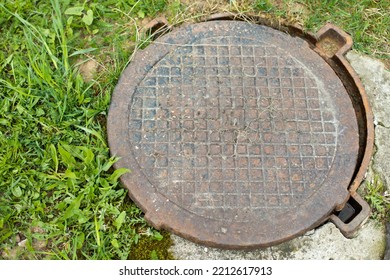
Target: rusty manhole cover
x=237, y=135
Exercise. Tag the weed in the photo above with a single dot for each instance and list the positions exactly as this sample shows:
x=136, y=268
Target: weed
x=86, y=15
x=263, y=5
x=377, y=196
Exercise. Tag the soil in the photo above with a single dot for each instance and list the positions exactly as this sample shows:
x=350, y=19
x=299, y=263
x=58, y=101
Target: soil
x=88, y=70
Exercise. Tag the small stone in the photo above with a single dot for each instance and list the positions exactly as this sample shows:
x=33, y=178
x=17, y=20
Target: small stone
x=22, y=243
x=310, y=232
x=88, y=70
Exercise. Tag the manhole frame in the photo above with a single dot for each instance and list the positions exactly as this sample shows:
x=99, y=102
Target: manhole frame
x=362, y=109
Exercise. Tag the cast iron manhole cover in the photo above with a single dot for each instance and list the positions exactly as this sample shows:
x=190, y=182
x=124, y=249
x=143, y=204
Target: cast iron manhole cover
x=237, y=135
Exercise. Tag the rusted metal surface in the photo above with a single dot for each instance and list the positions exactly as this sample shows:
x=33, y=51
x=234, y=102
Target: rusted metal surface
x=333, y=36
x=238, y=135
x=357, y=94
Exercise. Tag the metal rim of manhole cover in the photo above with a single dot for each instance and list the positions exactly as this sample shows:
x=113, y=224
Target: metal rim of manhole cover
x=239, y=135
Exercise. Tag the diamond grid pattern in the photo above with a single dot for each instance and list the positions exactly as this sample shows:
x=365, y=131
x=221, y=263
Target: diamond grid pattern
x=230, y=126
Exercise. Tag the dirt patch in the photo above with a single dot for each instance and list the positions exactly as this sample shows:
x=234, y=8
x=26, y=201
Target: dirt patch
x=11, y=253
x=208, y=6
x=88, y=70
x=277, y=3
x=202, y=9
x=297, y=13
x=386, y=62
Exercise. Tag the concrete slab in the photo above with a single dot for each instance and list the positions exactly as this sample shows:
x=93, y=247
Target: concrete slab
x=326, y=242
x=387, y=252
x=323, y=243
x=376, y=80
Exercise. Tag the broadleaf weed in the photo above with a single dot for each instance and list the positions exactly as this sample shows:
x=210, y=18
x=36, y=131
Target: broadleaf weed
x=377, y=196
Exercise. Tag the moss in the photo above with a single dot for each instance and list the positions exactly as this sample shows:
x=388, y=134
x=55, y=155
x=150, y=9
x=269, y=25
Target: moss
x=380, y=247
x=148, y=248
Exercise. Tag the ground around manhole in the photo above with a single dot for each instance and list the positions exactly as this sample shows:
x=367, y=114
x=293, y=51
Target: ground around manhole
x=326, y=242
x=387, y=251
x=59, y=197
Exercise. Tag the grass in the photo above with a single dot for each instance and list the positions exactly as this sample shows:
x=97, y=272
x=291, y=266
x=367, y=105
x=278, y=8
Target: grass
x=59, y=196
x=367, y=21
x=58, y=190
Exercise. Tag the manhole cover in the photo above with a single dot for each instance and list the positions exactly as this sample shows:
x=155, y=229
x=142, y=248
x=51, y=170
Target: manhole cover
x=237, y=135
